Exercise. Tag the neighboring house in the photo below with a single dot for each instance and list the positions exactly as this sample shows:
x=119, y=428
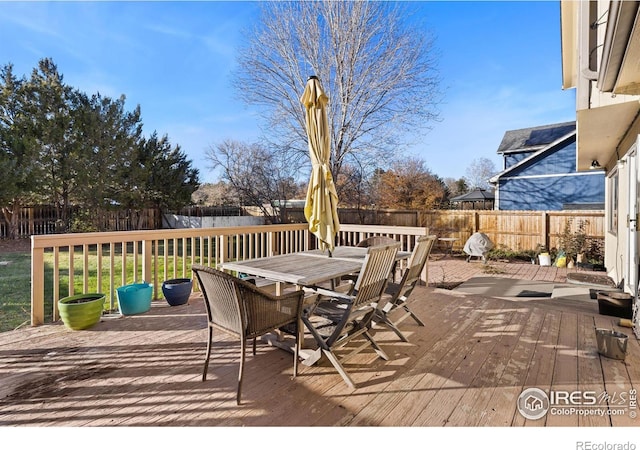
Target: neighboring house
x=540, y=172
x=600, y=54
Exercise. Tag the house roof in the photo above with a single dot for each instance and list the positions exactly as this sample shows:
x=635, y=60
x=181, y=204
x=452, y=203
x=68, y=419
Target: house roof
x=477, y=194
x=539, y=151
x=535, y=138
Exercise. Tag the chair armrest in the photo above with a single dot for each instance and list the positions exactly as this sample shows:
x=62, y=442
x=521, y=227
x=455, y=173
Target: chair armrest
x=344, y=298
x=265, y=312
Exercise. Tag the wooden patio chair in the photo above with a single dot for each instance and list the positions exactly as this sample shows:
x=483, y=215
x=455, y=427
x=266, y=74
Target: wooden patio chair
x=337, y=318
x=398, y=293
x=373, y=241
x=241, y=309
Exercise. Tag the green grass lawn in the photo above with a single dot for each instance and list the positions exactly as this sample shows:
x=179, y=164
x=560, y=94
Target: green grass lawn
x=15, y=290
x=15, y=282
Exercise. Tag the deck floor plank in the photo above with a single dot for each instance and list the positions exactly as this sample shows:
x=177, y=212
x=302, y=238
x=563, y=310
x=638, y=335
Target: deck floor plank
x=539, y=373
x=619, y=376
x=590, y=378
x=441, y=323
x=501, y=406
x=565, y=369
x=440, y=363
x=479, y=401
x=487, y=336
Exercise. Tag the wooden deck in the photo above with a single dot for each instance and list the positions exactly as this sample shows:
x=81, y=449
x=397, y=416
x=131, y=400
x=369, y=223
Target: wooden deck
x=467, y=367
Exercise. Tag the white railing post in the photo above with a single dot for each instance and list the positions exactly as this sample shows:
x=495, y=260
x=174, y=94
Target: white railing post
x=223, y=252
x=72, y=271
x=37, y=285
x=425, y=271
x=270, y=243
x=147, y=245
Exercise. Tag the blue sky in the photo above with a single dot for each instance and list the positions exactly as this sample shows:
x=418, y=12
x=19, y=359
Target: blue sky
x=500, y=65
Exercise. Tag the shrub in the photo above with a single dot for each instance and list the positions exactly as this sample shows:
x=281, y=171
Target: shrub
x=574, y=243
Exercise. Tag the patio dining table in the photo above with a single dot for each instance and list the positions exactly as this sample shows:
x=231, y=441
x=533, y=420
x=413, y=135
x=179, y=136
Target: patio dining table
x=300, y=269
x=304, y=269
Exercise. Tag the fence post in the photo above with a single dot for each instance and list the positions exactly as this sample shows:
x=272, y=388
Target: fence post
x=32, y=228
x=37, y=285
x=544, y=229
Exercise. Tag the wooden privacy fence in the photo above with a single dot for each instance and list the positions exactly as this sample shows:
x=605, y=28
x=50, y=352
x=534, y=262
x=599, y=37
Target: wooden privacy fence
x=513, y=230
x=38, y=220
x=31, y=220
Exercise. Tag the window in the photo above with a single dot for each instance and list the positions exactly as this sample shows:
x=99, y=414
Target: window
x=613, y=204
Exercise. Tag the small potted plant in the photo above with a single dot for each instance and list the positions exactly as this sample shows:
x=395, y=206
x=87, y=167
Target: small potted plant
x=544, y=258
x=531, y=254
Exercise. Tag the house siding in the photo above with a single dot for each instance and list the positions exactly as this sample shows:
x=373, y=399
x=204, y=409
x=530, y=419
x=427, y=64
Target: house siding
x=550, y=193
x=550, y=182
x=514, y=158
x=560, y=160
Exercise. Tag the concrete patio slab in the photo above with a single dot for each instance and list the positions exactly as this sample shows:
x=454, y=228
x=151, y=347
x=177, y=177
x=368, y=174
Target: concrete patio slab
x=507, y=288
x=570, y=291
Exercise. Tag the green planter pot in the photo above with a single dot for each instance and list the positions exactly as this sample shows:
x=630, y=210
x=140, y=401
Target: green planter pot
x=82, y=311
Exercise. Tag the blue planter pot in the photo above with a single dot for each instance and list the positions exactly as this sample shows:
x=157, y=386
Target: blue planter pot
x=177, y=290
x=134, y=298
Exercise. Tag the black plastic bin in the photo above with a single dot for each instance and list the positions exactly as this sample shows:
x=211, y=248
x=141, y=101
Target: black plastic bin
x=616, y=304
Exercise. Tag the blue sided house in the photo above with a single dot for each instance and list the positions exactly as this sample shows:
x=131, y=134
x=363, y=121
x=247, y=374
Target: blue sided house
x=540, y=172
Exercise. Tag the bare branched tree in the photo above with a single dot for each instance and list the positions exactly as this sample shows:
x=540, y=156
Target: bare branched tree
x=256, y=175
x=479, y=172
x=455, y=186
x=214, y=194
x=377, y=67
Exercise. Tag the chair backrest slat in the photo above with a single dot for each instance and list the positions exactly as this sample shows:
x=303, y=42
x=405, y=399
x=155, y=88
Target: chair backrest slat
x=418, y=260
x=375, y=273
x=373, y=241
x=221, y=300
x=240, y=307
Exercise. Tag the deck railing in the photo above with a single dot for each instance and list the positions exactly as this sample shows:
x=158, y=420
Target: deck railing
x=69, y=264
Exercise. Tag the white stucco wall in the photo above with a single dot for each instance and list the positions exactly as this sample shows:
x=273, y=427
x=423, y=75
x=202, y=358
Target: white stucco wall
x=176, y=221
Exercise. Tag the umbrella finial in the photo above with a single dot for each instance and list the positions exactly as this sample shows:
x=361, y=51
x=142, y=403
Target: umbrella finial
x=312, y=77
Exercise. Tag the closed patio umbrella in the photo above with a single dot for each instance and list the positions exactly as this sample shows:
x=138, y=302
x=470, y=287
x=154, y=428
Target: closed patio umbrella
x=321, y=206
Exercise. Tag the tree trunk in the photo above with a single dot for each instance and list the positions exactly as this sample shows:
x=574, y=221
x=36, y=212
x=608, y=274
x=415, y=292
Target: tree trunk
x=11, y=216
